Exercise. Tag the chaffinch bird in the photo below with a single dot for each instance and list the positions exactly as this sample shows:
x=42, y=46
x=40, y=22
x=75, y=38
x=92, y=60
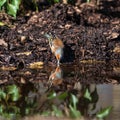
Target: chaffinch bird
x=56, y=46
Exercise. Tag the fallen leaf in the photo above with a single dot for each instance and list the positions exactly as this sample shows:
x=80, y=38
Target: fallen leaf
x=91, y=61
x=22, y=80
x=23, y=38
x=116, y=70
x=23, y=53
x=67, y=26
x=2, y=42
x=7, y=68
x=114, y=35
x=36, y=65
x=117, y=49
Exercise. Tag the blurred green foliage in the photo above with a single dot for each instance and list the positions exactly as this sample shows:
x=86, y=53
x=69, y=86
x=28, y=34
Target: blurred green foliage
x=8, y=95
x=53, y=1
x=87, y=95
x=104, y=112
x=10, y=6
x=10, y=92
x=13, y=6
x=2, y=2
x=15, y=104
x=75, y=113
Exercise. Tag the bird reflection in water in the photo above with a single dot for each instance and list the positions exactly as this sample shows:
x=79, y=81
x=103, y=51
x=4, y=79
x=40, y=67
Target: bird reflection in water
x=56, y=77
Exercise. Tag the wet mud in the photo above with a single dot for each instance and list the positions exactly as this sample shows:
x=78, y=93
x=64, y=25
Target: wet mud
x=63, y=77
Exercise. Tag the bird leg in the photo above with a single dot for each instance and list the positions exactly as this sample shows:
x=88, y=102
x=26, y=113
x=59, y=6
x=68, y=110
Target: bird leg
x=58, y=60
x=58, y=63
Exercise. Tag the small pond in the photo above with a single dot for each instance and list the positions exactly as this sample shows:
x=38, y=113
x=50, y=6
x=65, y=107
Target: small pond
x=86, y=91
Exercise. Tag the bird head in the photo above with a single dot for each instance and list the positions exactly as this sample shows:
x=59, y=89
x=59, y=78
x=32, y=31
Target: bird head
x=50, y=38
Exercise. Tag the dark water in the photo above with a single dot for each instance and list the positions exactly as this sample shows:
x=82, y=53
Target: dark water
x=48, y=91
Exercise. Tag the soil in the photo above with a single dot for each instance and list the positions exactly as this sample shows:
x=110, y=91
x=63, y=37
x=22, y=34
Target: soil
x=88, y=32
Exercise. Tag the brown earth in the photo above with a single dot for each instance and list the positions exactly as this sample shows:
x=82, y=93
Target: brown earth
x=88, y=32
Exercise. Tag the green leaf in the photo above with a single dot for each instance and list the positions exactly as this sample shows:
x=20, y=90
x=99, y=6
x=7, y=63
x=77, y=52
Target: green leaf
x=104, y=112
x=2, y=2
x=14, y=109
x=56, y=112
x=62, y=96
x=11, y=9
x=2, y=94
x=45, y=113
x=13, y=92
x=52, y=95
x=73, y=107
x=74, y=112
x=56, y=1
x=12, y=89
x=16, y=3
x=15, y=96
x=87, y=95
x=74, y=100
x=1, y=109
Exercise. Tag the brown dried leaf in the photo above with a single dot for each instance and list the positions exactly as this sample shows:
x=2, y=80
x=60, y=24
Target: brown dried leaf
x=78, y=10
x=114, y=35
x=91, y=61
x=27, y=73
x=114, y=81
x=23, y=38
x=42, y=48
x=67, y=26
x=2, y=42
x=116, y=49
x=23, y=53
x=7, y=68
x=116, y=69
x=36, y=65
x=22, y=80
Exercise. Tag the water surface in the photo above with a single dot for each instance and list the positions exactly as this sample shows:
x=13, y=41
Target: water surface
x=48, y=90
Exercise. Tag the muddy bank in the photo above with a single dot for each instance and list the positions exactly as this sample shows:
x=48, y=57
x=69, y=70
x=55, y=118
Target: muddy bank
x=87, y=32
